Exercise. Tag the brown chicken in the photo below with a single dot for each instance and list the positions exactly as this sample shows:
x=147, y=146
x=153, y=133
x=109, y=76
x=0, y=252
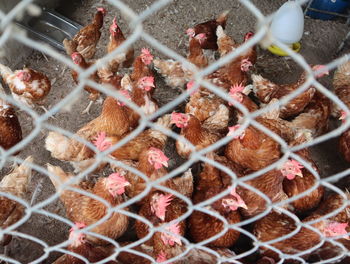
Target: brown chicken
x=193, y=131
x=113, y=121
x=27, y=86
x=270, y=183
x=152, y=163
x=85, y=41
x=254, y=149
x=145, y=140
x=341, y=84
x=15, y=183
x=125, y=57
x=226, y=44
x=161, y=208
x=275, y=225
x=194, y=256
x=84, y=248
x=209, y=109
x=315, y=116
x=87, y=210
x=141, y=65
x=79, y=60
x=175, y=73
x=10, y=128
x=298, y=185
x=340, y=226
x=141, y=94
x=203, y=226
x=209, y=29
x=266, y=90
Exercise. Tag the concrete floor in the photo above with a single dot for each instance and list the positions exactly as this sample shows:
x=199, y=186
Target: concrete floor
x=168, y=26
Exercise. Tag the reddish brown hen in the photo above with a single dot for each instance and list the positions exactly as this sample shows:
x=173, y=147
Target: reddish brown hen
x=209, y=29
x=341, y=84
x=84, y=248
x=266, y=90
x=203, y=226
x=27, y=86
x=84, y=209
x=85, y=41
x=15, y=183
x=10, y=128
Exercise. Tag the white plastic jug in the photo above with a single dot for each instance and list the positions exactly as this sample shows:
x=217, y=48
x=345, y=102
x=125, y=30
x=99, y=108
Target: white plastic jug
x=288, y=23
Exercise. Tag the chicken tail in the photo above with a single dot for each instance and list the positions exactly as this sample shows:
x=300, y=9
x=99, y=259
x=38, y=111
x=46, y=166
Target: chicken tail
x=219, y=121
x=5, y=71
x=57, y=175
x=59, y=145
x=173, y=72
x=222, y=18
x=342, y=76
x=183, y=184
x=18, y=179
x=274, y=112
x=126, y=83
x=70, y=46
x=263, y=88
x=225, y=43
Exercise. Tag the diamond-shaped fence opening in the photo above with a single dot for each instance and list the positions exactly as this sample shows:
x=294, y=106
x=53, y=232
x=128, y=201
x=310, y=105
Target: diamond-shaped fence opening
x=147, y=139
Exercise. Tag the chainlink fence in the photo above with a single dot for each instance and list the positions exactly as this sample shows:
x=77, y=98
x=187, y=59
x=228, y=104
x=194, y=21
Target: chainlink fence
x=10, y=31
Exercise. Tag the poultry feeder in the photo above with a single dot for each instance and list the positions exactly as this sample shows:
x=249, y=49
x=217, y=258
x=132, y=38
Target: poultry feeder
x=287, y=26
x=50, y=27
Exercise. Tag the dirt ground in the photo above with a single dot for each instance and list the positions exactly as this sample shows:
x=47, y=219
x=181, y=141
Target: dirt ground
x=319, y=43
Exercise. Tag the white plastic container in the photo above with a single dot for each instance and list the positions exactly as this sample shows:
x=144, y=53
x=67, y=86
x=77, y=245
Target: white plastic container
x=288, y=23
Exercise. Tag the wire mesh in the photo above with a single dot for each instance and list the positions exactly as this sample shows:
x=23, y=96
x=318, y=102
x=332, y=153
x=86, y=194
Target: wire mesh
x=10, y=31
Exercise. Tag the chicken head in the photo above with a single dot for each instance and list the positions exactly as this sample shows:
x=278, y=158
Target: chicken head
x=179, y=119
x=159, y=203
x=146, y=56
x=157, y=158
x=116, y=184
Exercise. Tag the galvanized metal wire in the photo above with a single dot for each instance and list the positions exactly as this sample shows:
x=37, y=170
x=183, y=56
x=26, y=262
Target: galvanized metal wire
x=10, y=31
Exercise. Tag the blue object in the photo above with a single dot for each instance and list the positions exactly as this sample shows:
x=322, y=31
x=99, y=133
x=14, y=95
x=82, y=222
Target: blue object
x=336, y=6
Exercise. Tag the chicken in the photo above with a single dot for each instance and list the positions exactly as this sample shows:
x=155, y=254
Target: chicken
x=315, y=116
x=84, y=209
x=15, y=183
x=162, y=209
x=141, y=94
x=209, y=29
x=113, y=121
x=152, y=163
x=145, y=140
x=266, y=90
x=116, y=38
x=28, y=86
x=298, y=185
x=209, y=109
x=79, y=60
x=275, y=225
x=10, y=128
x=226, y=45
x=201, y=225
x=339, y=225
x=80, y=246
x=341, y=84
x=194, y=256
x=85, y=41
x=193, y=131
x=270, y=183
x=175, y=73
x=254, y=149
x=141, y=65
